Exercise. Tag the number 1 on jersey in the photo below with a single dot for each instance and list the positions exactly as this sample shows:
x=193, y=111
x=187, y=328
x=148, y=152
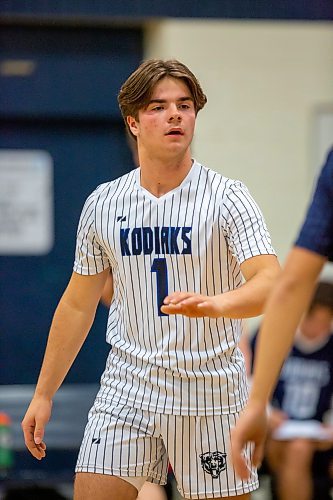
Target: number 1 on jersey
x=160, y=268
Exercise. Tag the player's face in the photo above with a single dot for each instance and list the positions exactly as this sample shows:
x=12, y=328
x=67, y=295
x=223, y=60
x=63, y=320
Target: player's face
x=166, y=126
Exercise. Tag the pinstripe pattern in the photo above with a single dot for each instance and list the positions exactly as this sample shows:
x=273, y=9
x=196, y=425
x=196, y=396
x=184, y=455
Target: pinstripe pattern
x=199, y=233
x=137, y=443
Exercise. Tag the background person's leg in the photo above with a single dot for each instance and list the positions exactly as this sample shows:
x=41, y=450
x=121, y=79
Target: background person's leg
x=295, y=475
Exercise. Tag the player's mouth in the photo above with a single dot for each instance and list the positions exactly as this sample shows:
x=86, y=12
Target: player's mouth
x=175, y=131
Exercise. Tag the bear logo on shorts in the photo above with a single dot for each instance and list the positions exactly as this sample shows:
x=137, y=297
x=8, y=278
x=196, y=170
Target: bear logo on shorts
x=213, y=463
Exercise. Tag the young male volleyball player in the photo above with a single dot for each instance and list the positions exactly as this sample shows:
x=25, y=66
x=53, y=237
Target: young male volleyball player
x=178, y=239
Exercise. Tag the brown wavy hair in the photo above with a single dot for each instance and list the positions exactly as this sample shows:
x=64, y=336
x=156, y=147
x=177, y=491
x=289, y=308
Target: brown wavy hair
x=136, y=91
x=323, y=296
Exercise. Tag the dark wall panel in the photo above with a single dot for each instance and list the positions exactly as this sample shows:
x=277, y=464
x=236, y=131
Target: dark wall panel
x=84, y=155
x=67, y=106
x=65, y=72
x=132, y=9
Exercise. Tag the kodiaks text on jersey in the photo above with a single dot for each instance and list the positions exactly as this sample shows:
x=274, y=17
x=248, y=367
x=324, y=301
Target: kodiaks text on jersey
x=158, y=240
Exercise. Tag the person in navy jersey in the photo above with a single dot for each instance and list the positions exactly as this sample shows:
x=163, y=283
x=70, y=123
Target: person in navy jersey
x=317, y=232
x=284, y=308
x=302, y=401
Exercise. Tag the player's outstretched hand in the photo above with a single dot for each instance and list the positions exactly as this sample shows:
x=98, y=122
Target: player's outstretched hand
x=251, y=427
x=33, y=426
x=193, y=305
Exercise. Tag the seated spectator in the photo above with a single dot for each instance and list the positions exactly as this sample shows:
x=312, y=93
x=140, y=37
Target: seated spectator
x=302, y=401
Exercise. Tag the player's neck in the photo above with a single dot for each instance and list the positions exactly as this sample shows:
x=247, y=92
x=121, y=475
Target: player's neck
x=159, y=176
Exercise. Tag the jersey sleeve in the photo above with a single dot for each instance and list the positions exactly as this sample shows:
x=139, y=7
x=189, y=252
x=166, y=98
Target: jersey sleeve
x=317, y=231
x=90, y=257
x=243, y=224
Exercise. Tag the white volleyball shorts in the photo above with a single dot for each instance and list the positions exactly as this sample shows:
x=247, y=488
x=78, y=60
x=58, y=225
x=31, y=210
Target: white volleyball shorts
x=131, y=443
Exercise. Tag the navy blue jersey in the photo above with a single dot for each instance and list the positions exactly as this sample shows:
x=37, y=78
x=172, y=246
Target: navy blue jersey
x=317, y=231
x=305, y=387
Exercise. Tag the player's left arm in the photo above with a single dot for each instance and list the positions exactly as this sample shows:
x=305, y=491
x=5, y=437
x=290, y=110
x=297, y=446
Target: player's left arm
x=107, y=293
x=259, y=272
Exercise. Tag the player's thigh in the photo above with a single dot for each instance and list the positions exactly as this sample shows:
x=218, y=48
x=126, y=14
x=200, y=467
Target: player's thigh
x=90, y=486
x=274, y=453
x=299, y=452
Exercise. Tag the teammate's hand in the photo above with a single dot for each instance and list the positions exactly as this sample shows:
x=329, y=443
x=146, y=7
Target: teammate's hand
x=193, y=305
x=250, y=428
x=33, y=426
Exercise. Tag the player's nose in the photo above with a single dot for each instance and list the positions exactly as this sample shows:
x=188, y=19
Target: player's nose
x=175, y=114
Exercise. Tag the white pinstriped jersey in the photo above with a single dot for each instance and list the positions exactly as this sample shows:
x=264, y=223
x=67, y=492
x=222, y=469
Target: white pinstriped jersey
x=193, y=238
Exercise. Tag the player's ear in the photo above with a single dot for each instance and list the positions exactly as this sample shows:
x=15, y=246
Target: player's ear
x=133, y=125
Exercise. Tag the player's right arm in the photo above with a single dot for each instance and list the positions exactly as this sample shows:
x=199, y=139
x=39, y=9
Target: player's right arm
x=70, y=326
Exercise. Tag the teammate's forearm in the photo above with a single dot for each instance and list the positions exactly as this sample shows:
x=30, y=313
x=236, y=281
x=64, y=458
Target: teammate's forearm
x=68, y=331
x=283, y=313
x=274, y=341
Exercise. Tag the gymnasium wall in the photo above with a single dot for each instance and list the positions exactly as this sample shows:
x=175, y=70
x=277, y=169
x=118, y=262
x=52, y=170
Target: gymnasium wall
x=266, y=82
x=270, y=88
